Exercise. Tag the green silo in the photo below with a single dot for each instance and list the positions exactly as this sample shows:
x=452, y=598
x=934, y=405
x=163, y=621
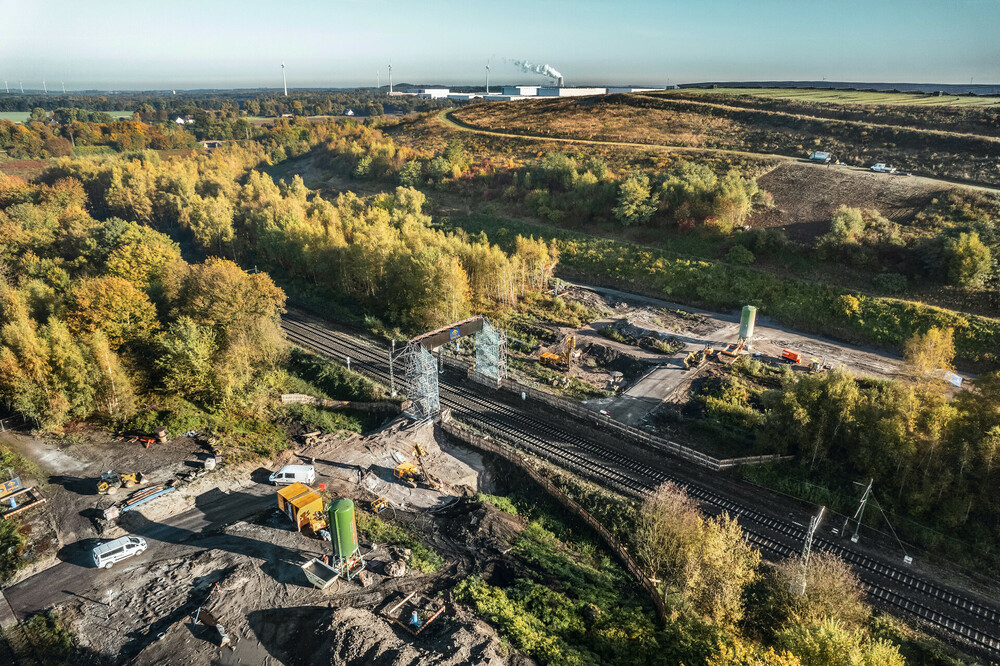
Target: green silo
x=747, y=320
x=343, y=530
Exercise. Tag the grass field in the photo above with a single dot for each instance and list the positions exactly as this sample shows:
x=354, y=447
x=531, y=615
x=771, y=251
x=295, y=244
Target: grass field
x=21, y=116
x=853, y=96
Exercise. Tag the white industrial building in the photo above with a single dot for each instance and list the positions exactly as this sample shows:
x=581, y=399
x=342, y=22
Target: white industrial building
x=511, y=93
x=629, y=89
x=524, y=91
x=434, y=93
x=570, y=92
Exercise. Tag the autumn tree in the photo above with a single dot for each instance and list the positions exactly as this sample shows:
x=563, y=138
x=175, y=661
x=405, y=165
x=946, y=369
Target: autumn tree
x=832, y=591
x=969, y=260
x=930, y=352
x=113, y=305
x=702, y=565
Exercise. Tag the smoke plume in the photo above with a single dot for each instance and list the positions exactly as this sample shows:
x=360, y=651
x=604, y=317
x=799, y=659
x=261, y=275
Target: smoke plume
x=544, y=70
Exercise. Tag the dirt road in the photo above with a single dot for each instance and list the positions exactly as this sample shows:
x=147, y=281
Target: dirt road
x=169, y=539
x=448, y=119
x=718, y=330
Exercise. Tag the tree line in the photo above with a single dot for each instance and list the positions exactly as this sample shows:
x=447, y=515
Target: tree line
x=95, y=313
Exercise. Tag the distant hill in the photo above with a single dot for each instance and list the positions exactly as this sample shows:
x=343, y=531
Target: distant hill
x=950, y=88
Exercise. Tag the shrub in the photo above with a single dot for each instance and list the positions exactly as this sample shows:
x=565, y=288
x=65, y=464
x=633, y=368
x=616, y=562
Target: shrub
x=11, y=547
x=740, y=256
x=892, y=283
x=969, y=260
x=377, y=530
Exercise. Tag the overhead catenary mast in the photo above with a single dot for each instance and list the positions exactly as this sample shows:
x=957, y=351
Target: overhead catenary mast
x=284, y=82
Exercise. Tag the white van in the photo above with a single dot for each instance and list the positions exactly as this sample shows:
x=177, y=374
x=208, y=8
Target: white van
x=294, y=474
x=114, y=551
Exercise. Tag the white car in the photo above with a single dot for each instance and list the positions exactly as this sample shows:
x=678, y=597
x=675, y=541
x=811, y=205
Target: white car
x=882, y=168
x=290, y=474
x=108, y=553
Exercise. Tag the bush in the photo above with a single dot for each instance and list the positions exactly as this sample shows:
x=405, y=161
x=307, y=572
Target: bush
x=891, y=283
x=53, y=642
x=740, y=256
x=377, y=530
x=505, y=504
x=11, y=547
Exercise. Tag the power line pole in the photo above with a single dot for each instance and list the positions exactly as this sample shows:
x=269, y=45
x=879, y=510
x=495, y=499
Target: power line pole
x=860, y=512
x=392, y=376
x=799, y=586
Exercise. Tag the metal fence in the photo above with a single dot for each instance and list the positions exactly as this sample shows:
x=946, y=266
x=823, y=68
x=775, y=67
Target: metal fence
x=649, y=440
x=486, y=444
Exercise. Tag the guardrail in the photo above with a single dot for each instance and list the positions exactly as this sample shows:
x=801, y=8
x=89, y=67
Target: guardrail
x=486, y=444
x=637, y=435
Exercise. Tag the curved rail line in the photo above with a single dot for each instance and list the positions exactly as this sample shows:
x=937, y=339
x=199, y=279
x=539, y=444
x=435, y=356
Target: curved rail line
x=890, y=586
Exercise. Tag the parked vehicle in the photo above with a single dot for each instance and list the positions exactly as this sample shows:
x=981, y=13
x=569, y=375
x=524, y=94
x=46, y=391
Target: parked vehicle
x=293, y=474
x=821, y=157
x=106, y=554
x=882, y=168
x=792, y=357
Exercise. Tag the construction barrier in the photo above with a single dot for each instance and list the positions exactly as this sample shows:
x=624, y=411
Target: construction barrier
x=486, y=444
x=634, y=434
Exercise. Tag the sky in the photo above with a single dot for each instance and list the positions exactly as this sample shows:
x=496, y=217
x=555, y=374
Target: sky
x=186, y=44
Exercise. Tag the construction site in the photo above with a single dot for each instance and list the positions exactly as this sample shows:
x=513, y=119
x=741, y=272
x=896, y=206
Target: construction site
x=349, y=549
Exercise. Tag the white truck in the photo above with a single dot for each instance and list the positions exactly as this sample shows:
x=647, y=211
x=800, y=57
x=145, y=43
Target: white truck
x=882, y=168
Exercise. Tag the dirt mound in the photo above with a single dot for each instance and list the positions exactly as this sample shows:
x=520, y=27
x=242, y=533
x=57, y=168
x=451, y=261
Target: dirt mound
x=482, y=526
x=806, y=196
x=356, y=636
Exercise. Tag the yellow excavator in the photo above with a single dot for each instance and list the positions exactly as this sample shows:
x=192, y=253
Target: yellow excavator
x=111, y=481
x=408, y=473
x=563, y=359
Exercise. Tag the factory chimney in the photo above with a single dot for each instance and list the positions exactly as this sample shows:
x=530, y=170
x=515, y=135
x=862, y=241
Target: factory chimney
x=560, y=82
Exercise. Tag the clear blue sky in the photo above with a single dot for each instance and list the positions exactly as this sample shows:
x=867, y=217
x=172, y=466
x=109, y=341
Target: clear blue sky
x=224, y=43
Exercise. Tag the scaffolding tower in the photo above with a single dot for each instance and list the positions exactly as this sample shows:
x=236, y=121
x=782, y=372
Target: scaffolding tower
x=491, y=353
x=422, y=382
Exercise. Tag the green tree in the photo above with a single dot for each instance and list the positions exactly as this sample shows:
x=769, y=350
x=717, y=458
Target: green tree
x=187, y=360
x=636, y=204
x=37, y=114
x=969, y=260
x=410, y=174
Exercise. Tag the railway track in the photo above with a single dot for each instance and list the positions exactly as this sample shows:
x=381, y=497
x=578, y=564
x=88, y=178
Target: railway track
x=951, y=613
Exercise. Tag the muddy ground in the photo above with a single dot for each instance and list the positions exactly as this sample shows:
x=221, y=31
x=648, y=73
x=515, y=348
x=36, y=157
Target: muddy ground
x=667, y=377
x=806, y=196
x=248, y=572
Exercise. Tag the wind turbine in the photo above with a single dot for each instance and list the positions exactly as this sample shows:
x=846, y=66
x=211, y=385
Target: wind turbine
x=22, y=86
x=44, y=89
x=378, y=80
x=390, y=79
x=64, y=86
x=283, y=81
x=487, y=79
x=5, y=86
